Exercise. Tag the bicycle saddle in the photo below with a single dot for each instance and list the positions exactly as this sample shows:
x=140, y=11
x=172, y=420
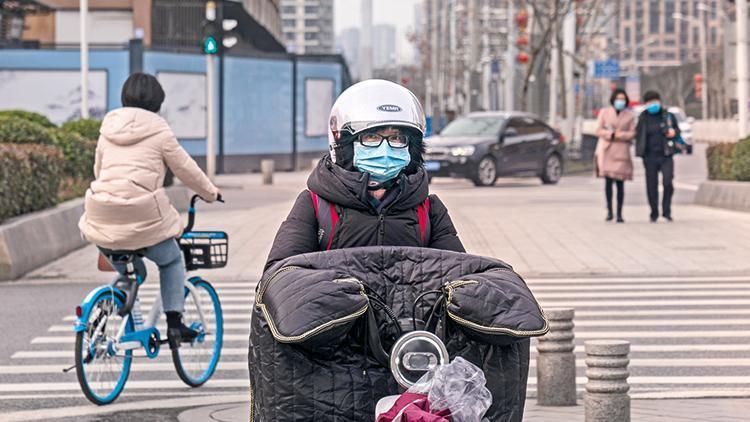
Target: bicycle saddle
x=121, y=257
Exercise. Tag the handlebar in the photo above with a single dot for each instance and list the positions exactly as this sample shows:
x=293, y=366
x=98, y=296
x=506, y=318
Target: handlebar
x=191, y=211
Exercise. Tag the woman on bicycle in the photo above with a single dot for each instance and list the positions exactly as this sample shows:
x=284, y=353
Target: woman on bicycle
x=373, y=178
x=126, y=206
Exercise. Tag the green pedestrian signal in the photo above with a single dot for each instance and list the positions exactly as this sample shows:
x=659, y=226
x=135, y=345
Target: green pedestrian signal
x=210, y=46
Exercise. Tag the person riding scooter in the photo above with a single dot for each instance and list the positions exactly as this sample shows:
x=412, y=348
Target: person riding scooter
x=371, y=189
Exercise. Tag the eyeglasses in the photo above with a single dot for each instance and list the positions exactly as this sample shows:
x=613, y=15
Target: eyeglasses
x=374, y=140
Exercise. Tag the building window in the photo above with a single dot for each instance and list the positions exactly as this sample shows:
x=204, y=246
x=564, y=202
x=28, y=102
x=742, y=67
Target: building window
x=696, y=38
x=669, y=21
x=653, y=17
x=312, y=9
x=713, y=40
x=309, y=36
x=684, y=32
x=311, y=22
x=683, y=7
x=290, y=36
x=627, y=10
x=627, y=36
x=289, y=9
x=289, y=23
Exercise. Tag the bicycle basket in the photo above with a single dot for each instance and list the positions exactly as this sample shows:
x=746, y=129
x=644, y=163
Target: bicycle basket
x=205, y=249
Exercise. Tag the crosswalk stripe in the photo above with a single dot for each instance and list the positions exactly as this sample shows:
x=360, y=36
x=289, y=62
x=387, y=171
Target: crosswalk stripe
x=666, y=287
x=242, y=366
x=578, y=323
x=717, y=312
x=161, y=327
x=639, y=280
x=227, y=316
x=243, y=383
x=141, y=367
x=72, y=339
x=634, y=303
x=46, y=354
x=733, y=293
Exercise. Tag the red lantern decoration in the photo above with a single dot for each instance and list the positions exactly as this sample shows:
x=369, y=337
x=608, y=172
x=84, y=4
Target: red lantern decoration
x=522, y=19
x=522, y=58
x=698, y=80
x=522, y=41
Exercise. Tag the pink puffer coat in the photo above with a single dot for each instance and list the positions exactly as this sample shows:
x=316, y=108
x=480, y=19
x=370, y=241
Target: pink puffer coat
x=126, y=206
x=613, y=158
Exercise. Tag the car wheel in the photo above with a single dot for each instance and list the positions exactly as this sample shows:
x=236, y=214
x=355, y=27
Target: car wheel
x=485, y=173
x=552, y=171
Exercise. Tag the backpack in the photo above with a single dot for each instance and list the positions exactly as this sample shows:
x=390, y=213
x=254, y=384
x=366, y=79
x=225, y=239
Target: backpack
x=327, y=215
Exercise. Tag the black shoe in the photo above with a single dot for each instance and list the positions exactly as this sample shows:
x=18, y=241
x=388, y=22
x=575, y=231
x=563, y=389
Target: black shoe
x=668, y=218
x=177, y=332
x=653, y=219
x=610, y=217
x=620, y=219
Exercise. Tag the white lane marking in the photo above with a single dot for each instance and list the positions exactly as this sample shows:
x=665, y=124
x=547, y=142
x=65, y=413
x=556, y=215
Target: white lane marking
x=665, y=287
x=46, y=414
x=129, y=394
x=664, y=312
x=161, y=327
x=639, y=303
x=636, y=294
x=243, y=382
x=637, y=280
x=692, y=394
x=46, y=354
x=242, y=366
x=140, y=367
x=248, y=300
x=686, y=186
x=241, y=351
x=658, y=322
x=227, y=316
x=72, y=338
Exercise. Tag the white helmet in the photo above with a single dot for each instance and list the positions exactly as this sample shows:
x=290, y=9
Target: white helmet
x=371, y=104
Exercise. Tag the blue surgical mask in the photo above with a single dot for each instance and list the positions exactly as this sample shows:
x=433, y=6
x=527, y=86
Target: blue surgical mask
x=620, y=105
x=654, y=108
x=382, y=163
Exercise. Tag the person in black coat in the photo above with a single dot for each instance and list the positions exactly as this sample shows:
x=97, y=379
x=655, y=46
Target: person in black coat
x=371, y=189
x=656, y=136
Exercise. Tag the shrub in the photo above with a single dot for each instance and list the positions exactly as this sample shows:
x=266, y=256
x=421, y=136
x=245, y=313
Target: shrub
x=741, y=160
x=29, y=178
x=719, y=158
x=29, y=116
x=79, y=153
x=88, y=128
x=16, y=130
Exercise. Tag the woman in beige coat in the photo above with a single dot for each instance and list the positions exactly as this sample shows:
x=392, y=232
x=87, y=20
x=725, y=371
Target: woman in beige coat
x=126, y=207
x=616, y=130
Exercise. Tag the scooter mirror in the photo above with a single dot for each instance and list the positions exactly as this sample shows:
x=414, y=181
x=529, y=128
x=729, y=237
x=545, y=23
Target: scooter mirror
x=414, y=354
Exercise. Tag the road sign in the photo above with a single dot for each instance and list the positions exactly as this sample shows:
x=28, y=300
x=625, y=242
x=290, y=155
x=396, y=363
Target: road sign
x=606, y=69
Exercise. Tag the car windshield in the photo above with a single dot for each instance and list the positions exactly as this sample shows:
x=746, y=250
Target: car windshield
x=474, y=126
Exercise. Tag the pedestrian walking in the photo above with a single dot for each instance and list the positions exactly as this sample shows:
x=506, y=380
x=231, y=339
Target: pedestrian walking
x=616, y=130
x=656, y=136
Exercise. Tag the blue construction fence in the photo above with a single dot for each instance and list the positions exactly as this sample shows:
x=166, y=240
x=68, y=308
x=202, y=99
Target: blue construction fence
x=273, y=106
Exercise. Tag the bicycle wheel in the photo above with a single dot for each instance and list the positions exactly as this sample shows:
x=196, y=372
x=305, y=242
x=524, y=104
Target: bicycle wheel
x=196, y=361
x=101, y=372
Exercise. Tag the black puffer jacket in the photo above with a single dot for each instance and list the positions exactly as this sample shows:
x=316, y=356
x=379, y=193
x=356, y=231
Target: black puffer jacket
x=360, y=224
x=308, y=357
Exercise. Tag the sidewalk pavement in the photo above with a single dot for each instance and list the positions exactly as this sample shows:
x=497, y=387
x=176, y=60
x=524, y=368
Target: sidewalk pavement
x=541, y=230
x=684, y=410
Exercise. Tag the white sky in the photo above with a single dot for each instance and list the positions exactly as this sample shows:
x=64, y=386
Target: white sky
x=399, y=13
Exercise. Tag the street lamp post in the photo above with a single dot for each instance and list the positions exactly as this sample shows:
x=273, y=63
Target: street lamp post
x=704, y=62
x=742, y=66
x=84, y=15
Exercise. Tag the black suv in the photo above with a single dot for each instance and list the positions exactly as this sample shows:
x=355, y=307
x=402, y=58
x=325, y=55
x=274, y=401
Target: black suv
x=485, y=145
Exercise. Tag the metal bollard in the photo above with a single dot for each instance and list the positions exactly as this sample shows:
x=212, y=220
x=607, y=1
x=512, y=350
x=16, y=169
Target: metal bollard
x=266, y=167
x=607, y=398
x=556, y=360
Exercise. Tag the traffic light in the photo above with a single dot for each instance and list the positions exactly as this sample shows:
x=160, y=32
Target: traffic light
x=218, y=33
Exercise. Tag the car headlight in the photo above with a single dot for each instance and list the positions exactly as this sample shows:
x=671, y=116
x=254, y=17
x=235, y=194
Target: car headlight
x=464, y=151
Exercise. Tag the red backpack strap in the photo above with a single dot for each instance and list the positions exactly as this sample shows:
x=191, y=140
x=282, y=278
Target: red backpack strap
x=328, y=218
x=423, y=217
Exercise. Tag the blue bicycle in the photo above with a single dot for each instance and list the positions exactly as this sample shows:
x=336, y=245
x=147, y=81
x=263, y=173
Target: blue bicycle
x=110, y=324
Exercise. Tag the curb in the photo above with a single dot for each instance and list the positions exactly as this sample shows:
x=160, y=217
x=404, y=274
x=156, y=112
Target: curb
x=50, y=234
x=724, y=194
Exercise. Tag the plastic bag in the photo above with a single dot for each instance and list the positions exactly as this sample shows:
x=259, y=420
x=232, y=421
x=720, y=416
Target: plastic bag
x=459, y=387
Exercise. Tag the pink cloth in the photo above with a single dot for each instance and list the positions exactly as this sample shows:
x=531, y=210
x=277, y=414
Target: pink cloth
x=414, y=408
x=612, y=156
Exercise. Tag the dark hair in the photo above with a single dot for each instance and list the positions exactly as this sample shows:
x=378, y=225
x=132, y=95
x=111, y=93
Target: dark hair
x=651, y=95
x=617, y=92
x=144, y=91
